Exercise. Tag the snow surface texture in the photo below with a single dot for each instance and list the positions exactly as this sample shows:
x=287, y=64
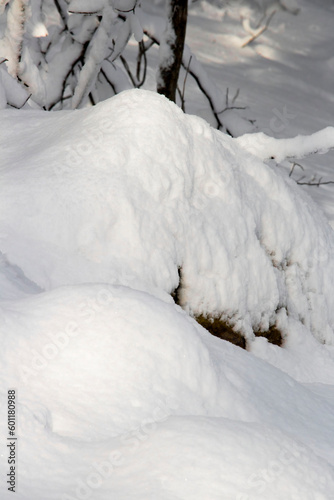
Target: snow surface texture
x=132, y=190
x=121, y=394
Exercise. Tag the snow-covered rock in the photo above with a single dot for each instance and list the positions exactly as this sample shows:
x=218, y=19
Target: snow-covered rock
x=132, y=190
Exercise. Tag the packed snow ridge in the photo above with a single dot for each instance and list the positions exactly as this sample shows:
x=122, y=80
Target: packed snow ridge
x=135, y=192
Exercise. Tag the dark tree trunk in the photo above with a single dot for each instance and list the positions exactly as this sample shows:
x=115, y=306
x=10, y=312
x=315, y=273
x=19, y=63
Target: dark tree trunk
x=171, y=48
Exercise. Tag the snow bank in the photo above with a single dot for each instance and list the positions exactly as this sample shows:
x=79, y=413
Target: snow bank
x=132, y=190
x=122, y=395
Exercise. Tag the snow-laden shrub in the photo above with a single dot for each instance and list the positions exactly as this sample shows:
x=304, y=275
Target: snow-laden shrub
x=136, y=198
x=59, y=49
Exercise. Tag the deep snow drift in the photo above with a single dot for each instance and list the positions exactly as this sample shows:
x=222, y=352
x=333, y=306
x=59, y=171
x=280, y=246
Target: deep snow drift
x=132, y=190
x=121, y=393
x=124, y=396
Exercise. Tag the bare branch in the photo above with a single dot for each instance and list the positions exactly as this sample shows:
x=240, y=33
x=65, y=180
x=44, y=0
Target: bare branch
x=151, y=37
x=230, y=107
x=142, y=56
x=236, y=96
x=317, y=184
x=311, y=182
x=128, y=70
x=108, y=80
x=20, y=107
x=127, y=11
x=209, y=98
x=295, y=164
x=184, y=84
x=227, y=104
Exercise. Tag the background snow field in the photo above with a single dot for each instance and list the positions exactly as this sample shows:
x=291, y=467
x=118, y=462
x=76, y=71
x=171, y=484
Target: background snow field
x=121, y=394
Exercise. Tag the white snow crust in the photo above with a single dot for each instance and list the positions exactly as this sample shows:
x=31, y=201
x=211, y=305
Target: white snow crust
x=123, y=395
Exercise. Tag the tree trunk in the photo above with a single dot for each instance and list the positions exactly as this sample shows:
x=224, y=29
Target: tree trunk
x=171, y=48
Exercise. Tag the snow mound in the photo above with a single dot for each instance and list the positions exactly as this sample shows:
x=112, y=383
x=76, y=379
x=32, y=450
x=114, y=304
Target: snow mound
x=132, y=190
x=123, y=395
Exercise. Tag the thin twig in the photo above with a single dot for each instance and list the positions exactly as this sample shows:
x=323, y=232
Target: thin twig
x=141, y=55
x=230, y=107
x=20, y=107
x=151, y=37
x=109, y=81
x=295, y=164
x=91, y=98
x=311, y=182
x=83, y=13
x=127, y=11
x=318, y=183
x=127, y=69
x=236, y=96
x=184, y=84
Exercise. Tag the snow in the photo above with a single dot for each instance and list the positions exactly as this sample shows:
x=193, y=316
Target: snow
x=285, y=76
x=124, y=5
x=120, y=392
x=266, y=147
x=10, y=91
x=136, y=28
x=139, y=189
x=124, y=395
x=79, y=6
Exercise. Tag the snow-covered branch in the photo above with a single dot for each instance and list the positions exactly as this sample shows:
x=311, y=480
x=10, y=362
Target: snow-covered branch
x=265, y=147
x=11, y=92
